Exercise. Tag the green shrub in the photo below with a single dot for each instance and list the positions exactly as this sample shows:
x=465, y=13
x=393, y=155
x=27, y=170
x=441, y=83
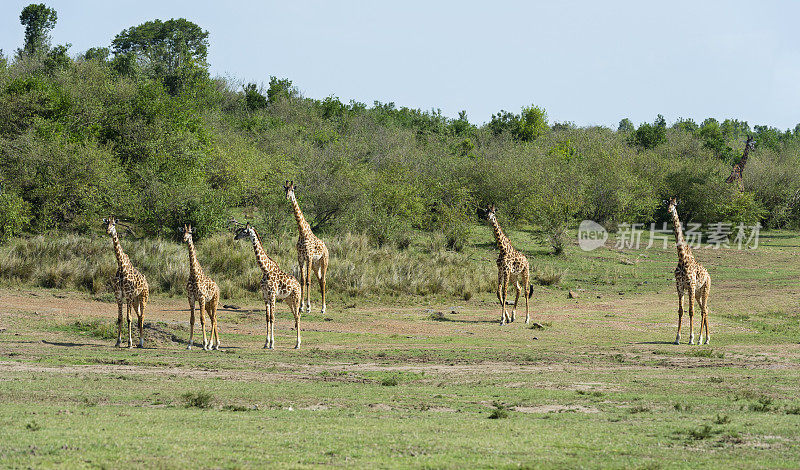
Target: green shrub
x=202, y=400
x=14, y=215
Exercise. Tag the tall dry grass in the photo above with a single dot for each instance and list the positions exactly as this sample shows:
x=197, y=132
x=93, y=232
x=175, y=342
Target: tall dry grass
x=357, y=267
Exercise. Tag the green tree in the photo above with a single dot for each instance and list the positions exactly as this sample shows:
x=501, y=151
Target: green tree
x=502, y=121
x=99, y=54
x=648, y=136
x=174, y=50
x=281, y=88
x=253, y=99
x=686, y=125
x=532, y=123
x=625, y=125
x=38, y=20
x=14, y=215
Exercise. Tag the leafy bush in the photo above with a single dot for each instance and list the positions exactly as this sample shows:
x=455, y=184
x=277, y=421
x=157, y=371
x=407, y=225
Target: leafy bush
x=14, y=215
x=202, y=400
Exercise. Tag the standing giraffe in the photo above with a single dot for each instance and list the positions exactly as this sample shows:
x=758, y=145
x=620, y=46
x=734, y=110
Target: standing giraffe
x=129, y=285
x=275, y=285
x=312, y=254
x=738, y=167
x=690, y=278
x=511, y=266
x=202, y=289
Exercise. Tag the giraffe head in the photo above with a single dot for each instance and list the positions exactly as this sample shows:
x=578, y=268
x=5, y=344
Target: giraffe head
x=671, y=204
x=491, y=213
x=289, y=187
x=187, y=232
x=751, y=143
x=245, y=232
x=111, y=225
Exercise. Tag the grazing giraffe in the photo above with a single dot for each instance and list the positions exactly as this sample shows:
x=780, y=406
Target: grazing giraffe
x=129, y=285
x=690, y=278
x=275, y=285
x=205, y=291
x=738, y=167
x=312, y=254
x=511, y=265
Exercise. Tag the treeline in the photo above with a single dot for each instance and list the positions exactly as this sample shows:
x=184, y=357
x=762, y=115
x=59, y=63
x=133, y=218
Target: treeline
x=141, y=130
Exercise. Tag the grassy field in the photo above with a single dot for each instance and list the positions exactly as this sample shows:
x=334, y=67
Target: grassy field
x=423, y=381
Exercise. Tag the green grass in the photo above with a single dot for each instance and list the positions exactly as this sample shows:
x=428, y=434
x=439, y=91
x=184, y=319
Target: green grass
x=382, y=383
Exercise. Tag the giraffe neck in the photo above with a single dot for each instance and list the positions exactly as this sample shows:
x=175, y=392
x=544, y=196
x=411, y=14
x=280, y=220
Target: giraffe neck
x=502, y=240
x=302, y=225
x=122, y=259
x=684, y=252
x=195, y=271
x=264, y=262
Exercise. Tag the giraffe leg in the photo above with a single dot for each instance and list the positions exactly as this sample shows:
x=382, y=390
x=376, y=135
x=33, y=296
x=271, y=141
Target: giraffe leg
x=270, y=344
x=308, y=284
x=212, y=312
x=704, y=311
x=202, y=311
x=302, y=261
x=527, y=286
x=692, y=293
x=680, y=316
x=516, y=299
x=128, y=319
x=142, y=305
x=140, y=321
x=296, y=313
x=266, y=320
x=322, y=272
x=502, y=294
x=119, y=324
x=191, y=322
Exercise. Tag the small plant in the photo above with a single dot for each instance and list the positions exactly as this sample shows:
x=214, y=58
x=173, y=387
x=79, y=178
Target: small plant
x=701, y=353
x=593, y=393
x=235, y=408
x=548, y=276
x=715, y=380
x=680, y=407
x=795, y=410
x=764, y=405
x=390, y=381
x=33, y=426
x=500, y=411
x=724, y=419
x=202, y=400
x=703, y=433
x=639, y=409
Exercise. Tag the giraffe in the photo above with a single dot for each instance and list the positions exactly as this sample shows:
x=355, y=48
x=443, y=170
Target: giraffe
x=202, y=289
x=738, y=167
x=129, y=285
x=312, y=254
x=511, y=265
x=691, y=278
x=275, y=285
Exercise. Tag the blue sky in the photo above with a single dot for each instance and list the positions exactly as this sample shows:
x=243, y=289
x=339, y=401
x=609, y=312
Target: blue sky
x=589, y=62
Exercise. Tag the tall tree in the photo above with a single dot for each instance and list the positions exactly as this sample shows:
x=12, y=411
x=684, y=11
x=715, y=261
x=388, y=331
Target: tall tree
x=38, y=20
x=173, y=50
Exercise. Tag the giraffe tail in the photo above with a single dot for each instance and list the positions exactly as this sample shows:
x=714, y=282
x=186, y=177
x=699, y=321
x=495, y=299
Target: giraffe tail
x=530, y=291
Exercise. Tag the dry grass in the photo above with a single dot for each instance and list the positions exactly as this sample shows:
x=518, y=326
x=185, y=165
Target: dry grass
x=357, y=268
